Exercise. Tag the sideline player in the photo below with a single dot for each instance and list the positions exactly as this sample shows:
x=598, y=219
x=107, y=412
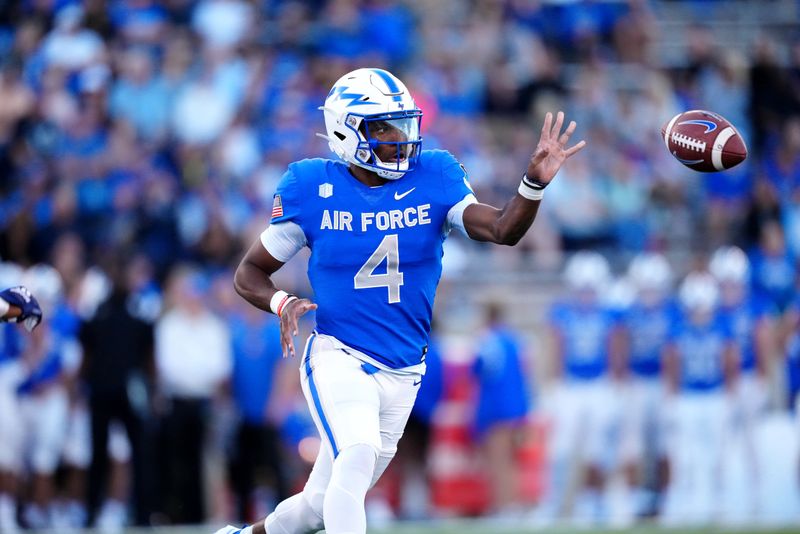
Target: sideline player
x=584, y=404
x=646, y=327
x=700, y=364
x=376, y=243
x=751, y=321
x=17, y=304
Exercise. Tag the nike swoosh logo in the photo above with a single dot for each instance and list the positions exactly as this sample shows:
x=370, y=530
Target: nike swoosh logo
x=418, y=383
x=687, y=161
x=710, y=126
x=402, y=195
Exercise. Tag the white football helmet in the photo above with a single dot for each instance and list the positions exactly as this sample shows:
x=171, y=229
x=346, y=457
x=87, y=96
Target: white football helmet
x=620, y=294
x=587, y=270
x=360, y=106
x=699, y=292
x=650, y=271
x=730, y=264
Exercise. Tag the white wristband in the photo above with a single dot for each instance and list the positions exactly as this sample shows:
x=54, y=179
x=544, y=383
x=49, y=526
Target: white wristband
x=528, y=192
x=276, y=299
x=279, y=300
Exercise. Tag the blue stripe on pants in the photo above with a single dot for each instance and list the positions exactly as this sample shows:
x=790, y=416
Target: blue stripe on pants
x=315, y=396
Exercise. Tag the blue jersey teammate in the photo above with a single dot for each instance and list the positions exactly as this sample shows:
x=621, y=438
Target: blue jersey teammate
x=375, y=225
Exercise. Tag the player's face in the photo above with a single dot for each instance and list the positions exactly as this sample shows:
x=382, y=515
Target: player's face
x=651, y=297
x=585, y=296
x=395, y=133
x=731, y=293
x=701, y=316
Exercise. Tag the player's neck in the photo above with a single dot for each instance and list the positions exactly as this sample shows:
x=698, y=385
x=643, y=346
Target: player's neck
x=368, y=178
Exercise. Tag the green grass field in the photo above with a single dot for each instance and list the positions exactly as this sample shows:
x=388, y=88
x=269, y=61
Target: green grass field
x=488, y=527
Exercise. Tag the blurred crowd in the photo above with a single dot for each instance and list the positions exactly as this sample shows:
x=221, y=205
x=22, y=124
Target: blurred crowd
x=141, y=143
x=163, y=127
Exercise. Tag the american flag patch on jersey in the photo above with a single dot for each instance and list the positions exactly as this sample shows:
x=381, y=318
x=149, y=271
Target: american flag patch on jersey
x=277, y=207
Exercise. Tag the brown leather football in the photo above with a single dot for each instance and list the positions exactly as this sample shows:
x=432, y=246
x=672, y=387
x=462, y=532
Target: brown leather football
x=704, y=141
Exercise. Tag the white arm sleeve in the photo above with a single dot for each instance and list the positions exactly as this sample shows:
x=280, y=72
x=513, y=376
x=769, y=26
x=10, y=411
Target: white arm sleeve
x=283, y=240
x=455, y=217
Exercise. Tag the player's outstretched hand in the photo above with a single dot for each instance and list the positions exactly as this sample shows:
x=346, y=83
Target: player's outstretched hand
x=22, y=298
x=552, y=151
x=291, y=313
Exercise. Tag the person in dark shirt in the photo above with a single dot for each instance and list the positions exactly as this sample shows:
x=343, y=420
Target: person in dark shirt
x=118, y=349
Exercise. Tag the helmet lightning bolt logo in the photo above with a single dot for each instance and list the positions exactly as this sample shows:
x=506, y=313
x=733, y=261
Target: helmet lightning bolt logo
x=354, y=98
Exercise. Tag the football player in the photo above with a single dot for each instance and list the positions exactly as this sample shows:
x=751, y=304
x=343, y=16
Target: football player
x=751, y=320
x=584, y=403
x=646, y=328
x=502, y=406
x=699, y=366
x=11, y=373
x=42, y=396
x=17, y=304
x=375, y=225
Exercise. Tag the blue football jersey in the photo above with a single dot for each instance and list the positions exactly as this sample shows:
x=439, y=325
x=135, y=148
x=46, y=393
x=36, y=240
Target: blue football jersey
x=701, y=352
x=502, y=391
x=256, y=349
x=11, y=342
x=773, y=277
x=743, y=319
x=584, y=332
x=376, y=252
x=46, y=371
x=648, y=331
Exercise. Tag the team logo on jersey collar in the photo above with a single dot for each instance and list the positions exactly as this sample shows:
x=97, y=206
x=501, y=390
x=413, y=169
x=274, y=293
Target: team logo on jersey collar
x=326, y=190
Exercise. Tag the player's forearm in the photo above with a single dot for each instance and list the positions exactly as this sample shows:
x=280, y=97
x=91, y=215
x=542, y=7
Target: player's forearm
x=731, y=365
x=766, y=346
x=618, y=353
x=672, y=372
x=254, y=285
x=517, y=217
x=502, y=226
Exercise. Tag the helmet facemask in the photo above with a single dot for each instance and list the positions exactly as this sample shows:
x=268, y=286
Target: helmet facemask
x=399, y=131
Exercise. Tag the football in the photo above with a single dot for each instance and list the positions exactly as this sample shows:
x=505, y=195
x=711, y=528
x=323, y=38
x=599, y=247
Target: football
x=704, y=141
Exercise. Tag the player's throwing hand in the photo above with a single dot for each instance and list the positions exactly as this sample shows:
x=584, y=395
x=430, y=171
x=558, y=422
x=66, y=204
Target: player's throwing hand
x=289, y=316
x=551, y=152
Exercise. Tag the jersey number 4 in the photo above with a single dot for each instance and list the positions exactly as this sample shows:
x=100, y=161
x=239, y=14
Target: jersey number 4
x=392, y=279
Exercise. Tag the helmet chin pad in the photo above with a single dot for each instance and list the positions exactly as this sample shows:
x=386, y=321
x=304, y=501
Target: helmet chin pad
x=383, y=172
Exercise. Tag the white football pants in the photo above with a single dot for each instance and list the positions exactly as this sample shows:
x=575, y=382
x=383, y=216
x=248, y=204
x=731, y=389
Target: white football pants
x=360, y=413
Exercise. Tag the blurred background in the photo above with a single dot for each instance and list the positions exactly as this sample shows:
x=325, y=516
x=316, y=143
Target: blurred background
x=634, y=359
